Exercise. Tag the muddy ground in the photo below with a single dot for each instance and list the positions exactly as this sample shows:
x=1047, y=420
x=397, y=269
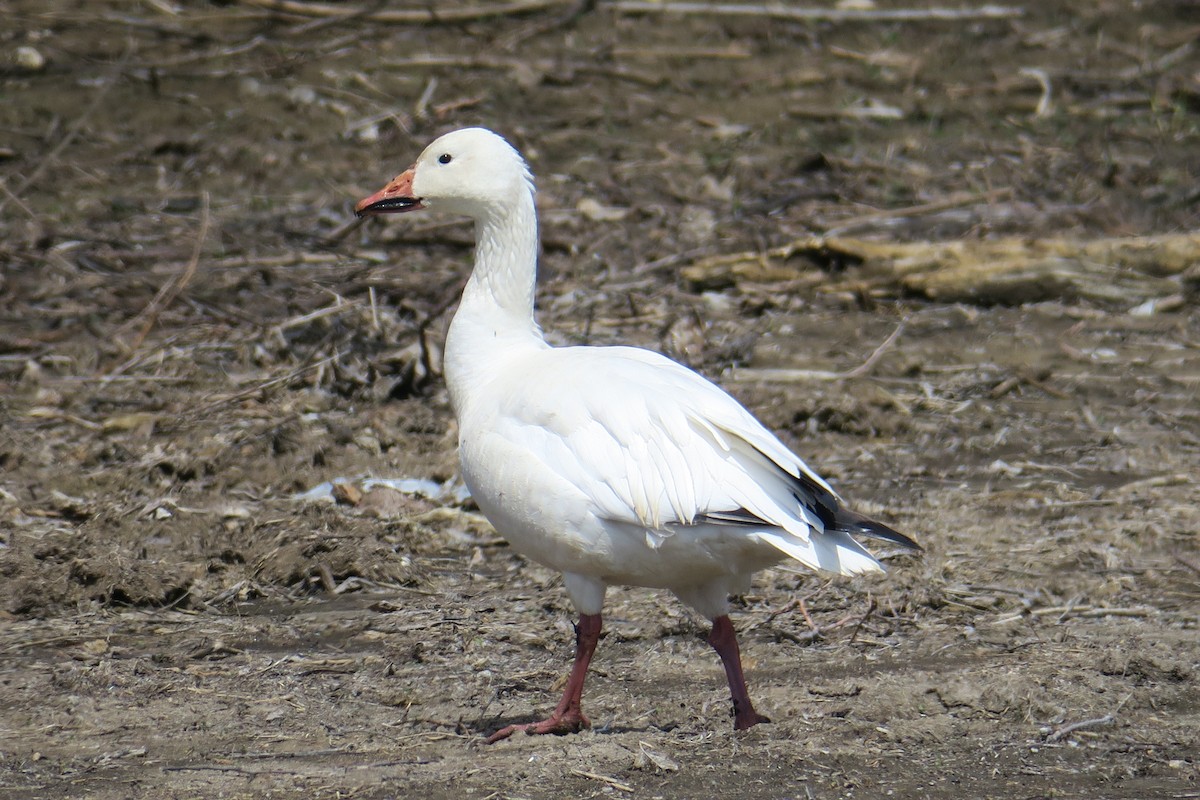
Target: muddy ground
x=192, y=334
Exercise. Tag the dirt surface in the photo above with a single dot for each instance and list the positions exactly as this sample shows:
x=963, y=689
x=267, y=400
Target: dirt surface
x=192, y=335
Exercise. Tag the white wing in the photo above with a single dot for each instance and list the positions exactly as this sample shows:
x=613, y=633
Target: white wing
x=652, y=443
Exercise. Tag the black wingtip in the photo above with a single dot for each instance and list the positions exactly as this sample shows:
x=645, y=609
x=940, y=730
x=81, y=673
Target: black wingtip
x=856, y=524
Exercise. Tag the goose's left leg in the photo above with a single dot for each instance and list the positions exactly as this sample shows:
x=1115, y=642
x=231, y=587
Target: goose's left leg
x=724, y=641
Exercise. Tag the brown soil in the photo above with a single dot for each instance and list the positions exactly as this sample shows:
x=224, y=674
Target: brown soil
x=190, y=337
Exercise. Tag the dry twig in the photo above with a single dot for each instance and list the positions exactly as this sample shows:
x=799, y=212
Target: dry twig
x=430, y=15
x=808, y=617
x=865, y=367
x=448, y=300
x=945, y=204
x=577, y=9
x=258, y=387
x=223, y=52
x=613, y=782
x=1153, y=482
x=800, y=375
x=1189, y=563
x=1087, y=611
x=788, y=11
x=339, y=306
x=342, y=231
x=1107, y=719
x=871, y=606
x=9, y=194
x=522, y=66
x=171, y=289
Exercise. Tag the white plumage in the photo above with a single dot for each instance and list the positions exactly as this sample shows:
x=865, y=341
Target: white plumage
x=614, y=465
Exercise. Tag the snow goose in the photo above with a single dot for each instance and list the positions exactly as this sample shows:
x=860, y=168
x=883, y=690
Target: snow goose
x=612, y=465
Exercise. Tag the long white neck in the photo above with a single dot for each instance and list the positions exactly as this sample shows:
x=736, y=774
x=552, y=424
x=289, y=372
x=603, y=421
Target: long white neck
x=495, y=320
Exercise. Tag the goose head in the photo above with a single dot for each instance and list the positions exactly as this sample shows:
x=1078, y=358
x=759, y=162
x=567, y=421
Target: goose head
x=471, y=171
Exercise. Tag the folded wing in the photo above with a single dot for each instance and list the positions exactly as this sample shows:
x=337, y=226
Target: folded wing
x=659, y=446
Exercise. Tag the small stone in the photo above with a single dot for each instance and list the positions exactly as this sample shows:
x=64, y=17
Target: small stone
x=95, y=647
x=597, y=212
x=28, y=58
x=347, y=494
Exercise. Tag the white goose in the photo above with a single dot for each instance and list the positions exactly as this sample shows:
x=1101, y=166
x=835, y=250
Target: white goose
x=613, y=465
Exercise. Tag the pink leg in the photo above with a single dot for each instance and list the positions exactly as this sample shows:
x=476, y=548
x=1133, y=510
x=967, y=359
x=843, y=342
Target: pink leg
x=724, y=641
x=568, y=716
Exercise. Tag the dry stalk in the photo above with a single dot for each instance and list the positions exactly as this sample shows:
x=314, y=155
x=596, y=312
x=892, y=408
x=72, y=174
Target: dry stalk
x=577, y=9
x=326, y=576
x=1153, y=482
x=1089, y=611
x=258, y=387
x=338, y=307
x=342, y=231
x=808, y=617
x=613, y=782
x=871, y=606
x=800, y=375
x=543, y=66
x=441, y=308
x=956, y=201
x=321, y=23
x=171, y=289
x=865, y=367
x=414, y=16
x=787, y=11
x=1107, y=719
x=1022, y=377
x=9, y=194
x=206, y=55
x=872, y=109
x=421, y=109
x=1043, y=80
x=729, y=52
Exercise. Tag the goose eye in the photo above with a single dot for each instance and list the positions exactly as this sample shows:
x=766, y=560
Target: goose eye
x=445, y=158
